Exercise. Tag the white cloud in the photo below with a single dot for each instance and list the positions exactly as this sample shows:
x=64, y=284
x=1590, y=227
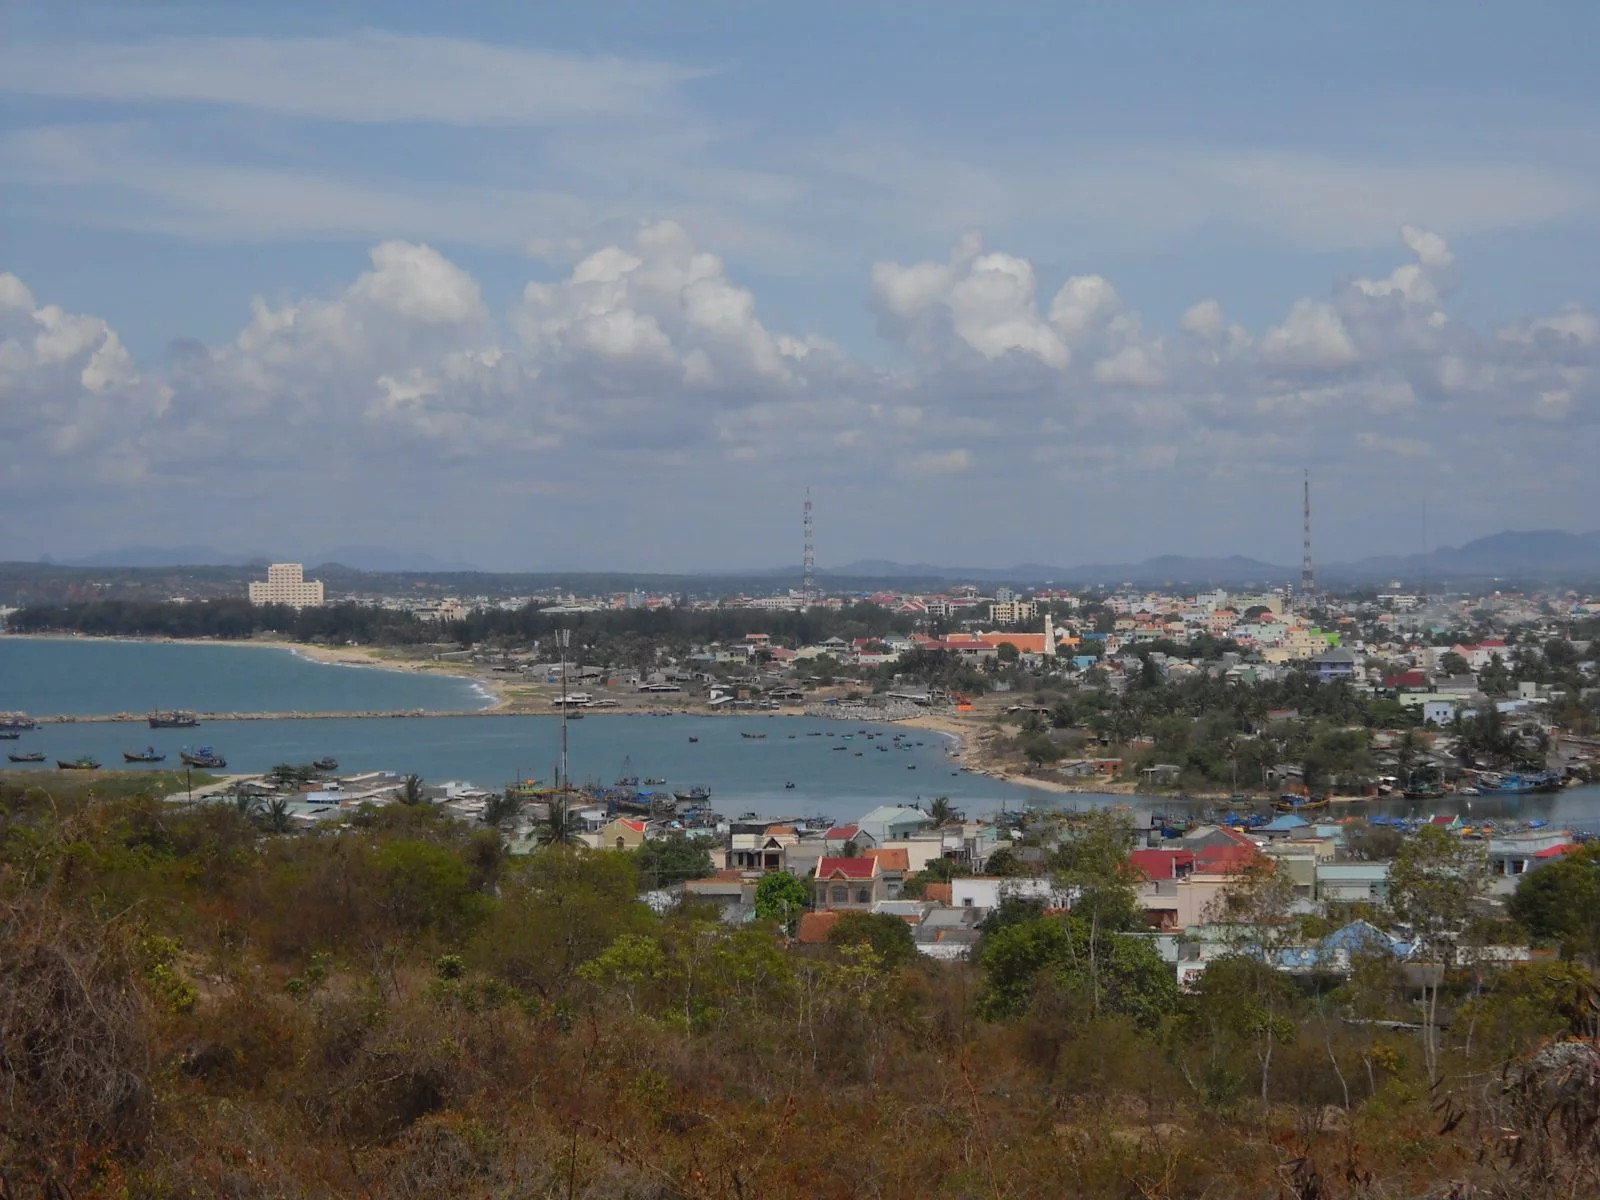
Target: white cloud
x=649, y=360
x=1312, y=337
x=363, y=78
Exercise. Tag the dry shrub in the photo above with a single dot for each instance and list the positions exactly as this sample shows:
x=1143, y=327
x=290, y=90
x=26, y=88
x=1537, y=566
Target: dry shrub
x=75, y=1039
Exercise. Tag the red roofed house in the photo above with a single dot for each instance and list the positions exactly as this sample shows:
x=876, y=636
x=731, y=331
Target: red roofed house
x=849, y=883
x=622, y=833
x=815, y=927
x=1163, y=864
x=836, y=838
x=894, y=865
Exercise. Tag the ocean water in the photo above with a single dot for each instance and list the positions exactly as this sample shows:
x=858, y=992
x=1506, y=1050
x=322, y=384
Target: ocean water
x=91, y=675
x=834, y=775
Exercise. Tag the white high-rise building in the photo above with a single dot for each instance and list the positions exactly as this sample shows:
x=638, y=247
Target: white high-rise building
x=286, y=584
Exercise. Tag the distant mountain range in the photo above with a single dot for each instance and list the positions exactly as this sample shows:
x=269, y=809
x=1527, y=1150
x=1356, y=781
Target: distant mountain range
x=1540, y=554
x=356, y=558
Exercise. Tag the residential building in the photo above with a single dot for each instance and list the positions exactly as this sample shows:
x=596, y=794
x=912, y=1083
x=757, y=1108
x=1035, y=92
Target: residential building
x=848, y=883
x=1012, y=612
x=286, y=584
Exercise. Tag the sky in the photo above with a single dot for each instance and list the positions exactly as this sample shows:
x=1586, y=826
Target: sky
x=554, y=286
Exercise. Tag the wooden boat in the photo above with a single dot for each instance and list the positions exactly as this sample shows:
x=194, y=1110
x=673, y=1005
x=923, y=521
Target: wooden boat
x=148, y=755
x=326, y=763
x=32, y=756
x=175, y=719
x=84, y=763
x=203, y=757
x=10, y=735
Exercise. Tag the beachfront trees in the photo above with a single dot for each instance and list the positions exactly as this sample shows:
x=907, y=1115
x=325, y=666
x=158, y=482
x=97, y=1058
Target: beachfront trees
x=410, y=792
x=943, y=812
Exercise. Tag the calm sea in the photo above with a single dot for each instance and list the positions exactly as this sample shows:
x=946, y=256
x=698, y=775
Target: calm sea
x=745, y=774
x=831, y=774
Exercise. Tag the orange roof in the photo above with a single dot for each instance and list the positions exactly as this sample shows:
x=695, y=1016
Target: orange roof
x=814, y=927
x=939, y=893
x=773, y=830
x=891, y=860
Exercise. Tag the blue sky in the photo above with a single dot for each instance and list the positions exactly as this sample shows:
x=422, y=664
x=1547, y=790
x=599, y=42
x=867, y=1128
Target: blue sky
x=923, y=258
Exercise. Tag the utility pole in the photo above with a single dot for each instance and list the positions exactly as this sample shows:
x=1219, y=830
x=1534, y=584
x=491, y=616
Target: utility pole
x=808, y=569
x=1308, y=579
x=563, y=639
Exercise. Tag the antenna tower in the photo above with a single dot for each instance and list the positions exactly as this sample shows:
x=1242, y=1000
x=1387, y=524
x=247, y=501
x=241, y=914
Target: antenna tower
x=1308, y=578
x=808, y=583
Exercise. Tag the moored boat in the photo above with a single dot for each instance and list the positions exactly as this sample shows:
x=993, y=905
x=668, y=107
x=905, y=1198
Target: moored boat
x=17, y=721
x=203, y=757
x=695, y=795
x=176, y=718
x=148, y=755
x=32, y=756
x=10, y=735
x=83, y=763
x=326, y=763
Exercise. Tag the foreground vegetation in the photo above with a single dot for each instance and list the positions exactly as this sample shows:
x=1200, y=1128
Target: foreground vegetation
x=192, y=1006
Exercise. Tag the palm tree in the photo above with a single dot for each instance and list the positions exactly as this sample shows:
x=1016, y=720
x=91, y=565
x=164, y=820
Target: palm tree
x=559, y=827
x=276, y=818
x=248, y=804
x=410, y=792
x=500, y=811
x=943, y=812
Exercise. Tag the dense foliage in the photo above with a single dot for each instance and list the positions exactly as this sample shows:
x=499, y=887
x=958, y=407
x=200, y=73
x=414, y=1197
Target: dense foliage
x=192, y=1005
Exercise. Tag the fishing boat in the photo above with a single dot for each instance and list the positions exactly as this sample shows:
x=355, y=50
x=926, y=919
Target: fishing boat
x=326, y=763
x=1290, y=803
x=693, y=739
x=789, y=786
x=31, y=756
x=148, y=755
x=698, y=794
x=203, y=757
x=176, y=718
x=17, y=721
x=754, y=737
x=654, y=781
x=10, y=735
x=83, y=763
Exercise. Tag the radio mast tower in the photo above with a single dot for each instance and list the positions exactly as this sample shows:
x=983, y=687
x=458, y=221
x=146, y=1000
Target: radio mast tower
x=1308, y=578
x=808, y=570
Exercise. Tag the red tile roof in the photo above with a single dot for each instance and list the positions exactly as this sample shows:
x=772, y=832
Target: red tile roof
x=939, y=893
x=891, y=860
x=636, y=826
x=1215, y=860
x=842, y=833
x=1555, y=851
x=1161, y=864
x=847, y=868
x=814, y=927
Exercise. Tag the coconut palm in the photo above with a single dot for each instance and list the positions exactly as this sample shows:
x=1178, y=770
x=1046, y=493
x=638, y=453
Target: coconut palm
x=502, y=810
x=276, y=818
x=559, y=827
x=411, y=792
x=943, y=812
x=248, y=804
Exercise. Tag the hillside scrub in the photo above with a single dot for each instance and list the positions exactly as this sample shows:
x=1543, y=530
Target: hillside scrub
x=192, y=1006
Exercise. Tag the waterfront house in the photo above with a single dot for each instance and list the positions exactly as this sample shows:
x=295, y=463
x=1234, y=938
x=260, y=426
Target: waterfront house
x=848, y=883
x=623, y=833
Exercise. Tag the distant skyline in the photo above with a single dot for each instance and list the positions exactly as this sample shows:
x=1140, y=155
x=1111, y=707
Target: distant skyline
x=566, y=288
